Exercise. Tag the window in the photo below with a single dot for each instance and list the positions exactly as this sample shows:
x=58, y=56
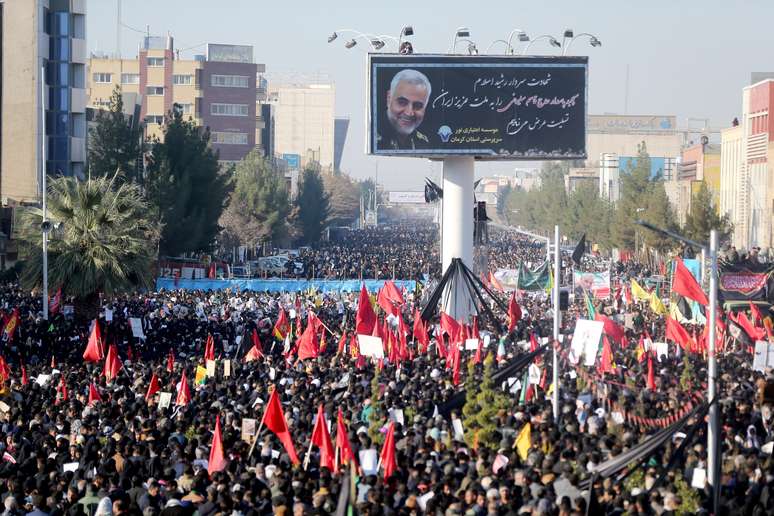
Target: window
x=182, y=79
x=130, y=78
x=230, y=81
x=157, y=62
x=229, y=138
x=59, y=49
x=154, y=90
x=154, y=119
x=102, y=78
x=228, y=109
x=185, y=109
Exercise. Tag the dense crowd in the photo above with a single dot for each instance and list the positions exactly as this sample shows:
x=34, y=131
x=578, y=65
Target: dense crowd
x=126, y=454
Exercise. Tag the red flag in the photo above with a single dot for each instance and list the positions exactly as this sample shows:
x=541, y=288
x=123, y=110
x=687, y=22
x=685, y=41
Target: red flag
x=307, y=345
x=651, y=381
x=209, y=348
x=24, y=379
x=404, y=351
x=533, y=343
x=55, y=302
x=343, y=447
x=322, y=439
x=686, y=285
x=640, y=352
x=456, y=365
x=392, y=293
x=495, y=283
x=752, y=331
x=354, y=349
x=477, y=357
x=112, y=363
x=184, y=393
x=170, y=361
x=342, y=343
x=282, y=326
x=606, y=360
x=676, y=332
x=387, y=457
x=755, y=313
x=5, y=371
x=274, y=420
x=256, y=351
x=153, y=388
x=485, y=281
x=420, y=331
x=365, y=319
x=610, y=328
x=514, y=312
x=474, y=330
x=130, y=353
x=385, y=302
x=217, y=461
x=11, y=325
x=61, y=391
x=94, y=349
x=452, y=328
x=93, y=394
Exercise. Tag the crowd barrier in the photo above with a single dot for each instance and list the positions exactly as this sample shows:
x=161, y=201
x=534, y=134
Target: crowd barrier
x=278, y=285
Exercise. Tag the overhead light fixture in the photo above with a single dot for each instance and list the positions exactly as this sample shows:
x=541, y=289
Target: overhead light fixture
x=377, y=44
x=523, y=37
x=332, y=37
x=463, y=32
x=351, y=43
x=554, y=42
x=568, y=33
x=408, y=30
x=595, y=42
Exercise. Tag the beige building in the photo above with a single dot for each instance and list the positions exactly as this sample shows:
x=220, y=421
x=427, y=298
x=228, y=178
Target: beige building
x=37, y=34
x=304, y=121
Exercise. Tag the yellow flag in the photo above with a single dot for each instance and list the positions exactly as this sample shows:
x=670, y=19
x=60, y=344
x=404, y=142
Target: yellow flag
x=550, y=389
x=656, y=305
x=639, y=293
x=524, y=441
x=201, y=375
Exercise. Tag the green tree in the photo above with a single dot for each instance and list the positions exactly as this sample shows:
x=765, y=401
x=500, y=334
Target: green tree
x=588, y=213
x=658, y=212
x=480, y=419
x=103, y=240
x=344, y=195
x=703, y=217
x=313, y=205
x=186, y=187
x=259, y=205
x=688, y=374
x=634, y=193
x=376, y=419
x=115, y=142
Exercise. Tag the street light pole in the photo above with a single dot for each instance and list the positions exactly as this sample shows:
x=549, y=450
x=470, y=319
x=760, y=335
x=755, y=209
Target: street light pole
x=555, y=293
x=712, y=369
x=44, y=186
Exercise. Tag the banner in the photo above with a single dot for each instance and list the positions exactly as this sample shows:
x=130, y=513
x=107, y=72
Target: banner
x=536, y=280
x=280, y=285
x=742, y=282
x=598, y=283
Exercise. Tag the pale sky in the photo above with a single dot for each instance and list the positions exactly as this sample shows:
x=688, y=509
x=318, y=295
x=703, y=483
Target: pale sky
x=687, y=58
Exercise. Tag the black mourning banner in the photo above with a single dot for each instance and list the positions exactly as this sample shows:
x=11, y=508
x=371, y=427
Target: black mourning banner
x=489, y=107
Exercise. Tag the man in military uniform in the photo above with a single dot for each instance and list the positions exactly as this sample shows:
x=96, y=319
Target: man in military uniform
x=406, y=104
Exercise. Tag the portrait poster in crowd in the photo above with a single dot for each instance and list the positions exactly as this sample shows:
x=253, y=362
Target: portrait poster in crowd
x=248, y=429
x=370, y=346
x=165, y=400
x=597, y=283
x=136, y=324
x=493, y=106
x=508, y=278
x=764, y=356
x=585, y=341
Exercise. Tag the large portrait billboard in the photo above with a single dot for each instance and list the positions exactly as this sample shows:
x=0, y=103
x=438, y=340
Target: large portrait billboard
x=507, y=107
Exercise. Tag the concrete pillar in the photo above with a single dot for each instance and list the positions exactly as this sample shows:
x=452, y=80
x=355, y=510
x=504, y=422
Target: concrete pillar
x=457, y=231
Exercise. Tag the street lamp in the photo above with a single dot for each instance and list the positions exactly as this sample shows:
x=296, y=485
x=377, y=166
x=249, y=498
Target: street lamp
x=552, y=40
x=461, y=32
x=593, y=41
x=408, y=30
x=376, y=42
x=713, y=451
x=508, y=46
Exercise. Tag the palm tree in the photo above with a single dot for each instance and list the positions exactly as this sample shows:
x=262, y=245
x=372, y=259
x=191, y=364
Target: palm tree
x=102, y=241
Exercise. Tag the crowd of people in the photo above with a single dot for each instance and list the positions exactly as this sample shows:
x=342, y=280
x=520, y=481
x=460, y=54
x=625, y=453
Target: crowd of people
x=129, y=453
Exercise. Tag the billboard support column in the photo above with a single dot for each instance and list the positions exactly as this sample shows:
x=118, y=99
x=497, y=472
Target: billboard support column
x=457, y=227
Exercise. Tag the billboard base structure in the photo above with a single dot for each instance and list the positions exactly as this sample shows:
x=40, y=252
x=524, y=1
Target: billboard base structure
x=457, y=226
x=461, y=288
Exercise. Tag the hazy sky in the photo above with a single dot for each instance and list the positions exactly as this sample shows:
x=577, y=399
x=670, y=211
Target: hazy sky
x=686, y=58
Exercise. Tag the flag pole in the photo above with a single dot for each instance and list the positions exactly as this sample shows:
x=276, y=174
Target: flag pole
x=555, y=293
x=712, y=427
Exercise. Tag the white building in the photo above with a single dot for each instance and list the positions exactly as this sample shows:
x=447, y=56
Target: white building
x=609, y=177
x=731, y=166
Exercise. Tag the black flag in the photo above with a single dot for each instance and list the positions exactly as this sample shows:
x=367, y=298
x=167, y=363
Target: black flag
x=577, y=254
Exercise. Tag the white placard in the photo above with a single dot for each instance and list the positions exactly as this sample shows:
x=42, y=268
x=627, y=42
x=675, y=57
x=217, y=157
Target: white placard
x=370, y=346
x=459, y=431
x=108, y=314
x=471, y=344
x=662, y=350
x=70, y=466
x=585, y=341
x=210, y=369
x=764, y=356
x=136, y=324
x=369, y=459
x=699, y=477
x=226, y=368
x=275, y=454
x=397, y=415
x=43, y=379
x=534, y=374
x=487, y=340
x=165, y=400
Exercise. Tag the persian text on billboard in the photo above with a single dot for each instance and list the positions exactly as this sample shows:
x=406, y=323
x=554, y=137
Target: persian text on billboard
x=744, y=283
x=407, y=197
x=485, y=106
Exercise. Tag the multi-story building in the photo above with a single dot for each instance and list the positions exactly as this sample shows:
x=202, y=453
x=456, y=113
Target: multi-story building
x=37, y=35
x=216, y=90
x=340, y=130
x=747, y=169
x=304, y=121
x=699, y=164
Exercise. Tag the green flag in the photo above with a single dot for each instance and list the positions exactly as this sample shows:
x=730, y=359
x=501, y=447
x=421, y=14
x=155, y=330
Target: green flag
x=589, y=306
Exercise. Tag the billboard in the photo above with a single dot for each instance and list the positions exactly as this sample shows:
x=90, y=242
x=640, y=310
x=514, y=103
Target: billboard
x=229, y=53
x=406, y=197
x=490, y=107
x=634, y=124
x=293, y=161
x=746, y=281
